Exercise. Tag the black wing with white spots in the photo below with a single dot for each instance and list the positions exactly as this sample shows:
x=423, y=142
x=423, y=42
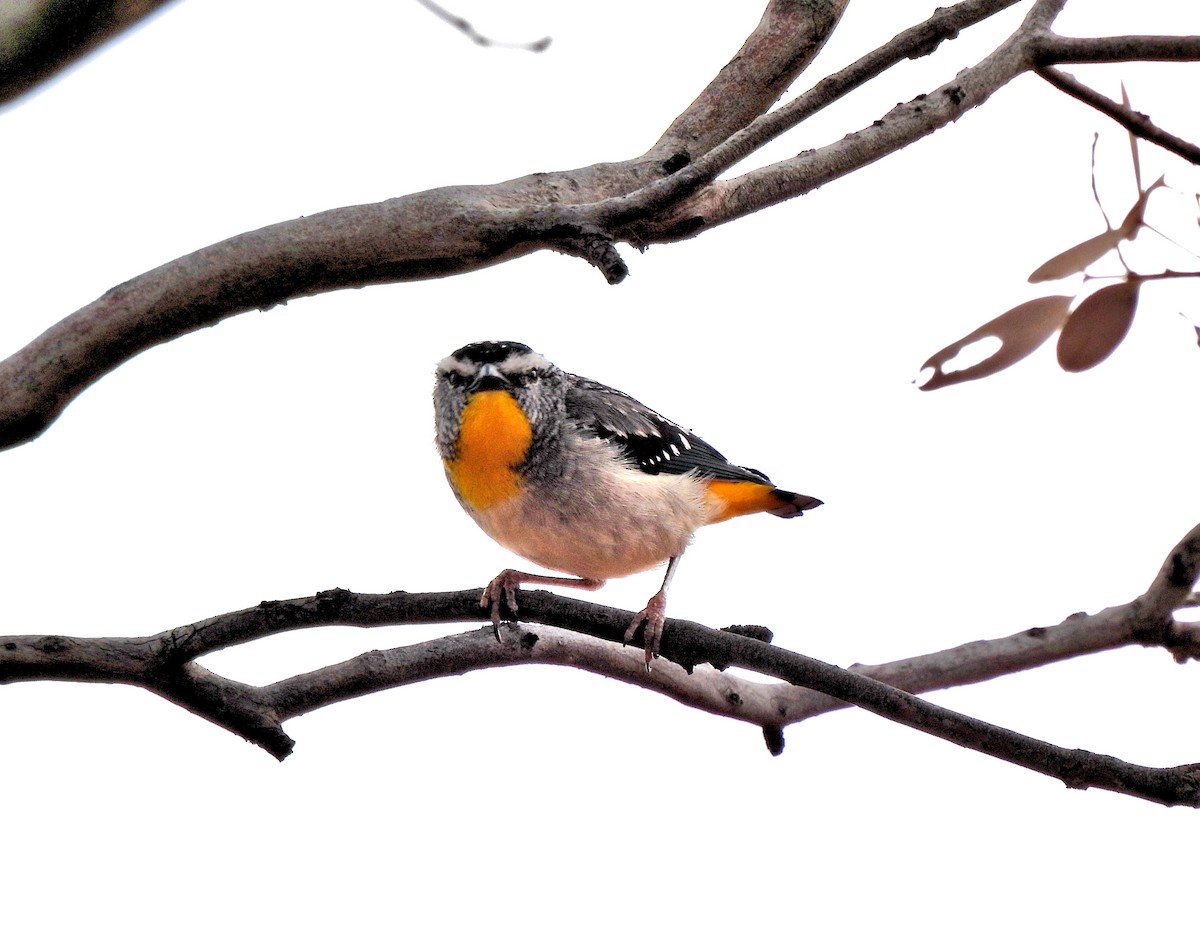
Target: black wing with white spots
x=655, y=444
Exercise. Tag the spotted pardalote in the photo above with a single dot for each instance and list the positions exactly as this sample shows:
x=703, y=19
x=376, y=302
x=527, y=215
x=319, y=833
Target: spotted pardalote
x=580, y=478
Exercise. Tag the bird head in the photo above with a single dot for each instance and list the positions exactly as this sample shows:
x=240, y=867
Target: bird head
x=537, y=385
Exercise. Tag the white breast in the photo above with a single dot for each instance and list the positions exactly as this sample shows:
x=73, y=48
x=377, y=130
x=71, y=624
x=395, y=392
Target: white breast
x=605, y=522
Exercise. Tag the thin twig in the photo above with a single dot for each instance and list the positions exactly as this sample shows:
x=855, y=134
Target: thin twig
x=1133, y=121
x=464, y=27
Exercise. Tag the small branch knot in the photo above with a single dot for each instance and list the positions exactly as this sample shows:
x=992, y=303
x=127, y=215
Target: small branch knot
x=1183, y=571
x=753, y=631
x=598, y=249
x=676, y=162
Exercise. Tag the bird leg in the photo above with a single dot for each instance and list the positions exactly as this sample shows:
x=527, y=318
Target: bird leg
x=505, y=585
x=654, y=614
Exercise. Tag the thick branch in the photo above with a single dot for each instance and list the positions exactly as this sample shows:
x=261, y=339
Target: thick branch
x=581, y=212
x=726, y=200
x=39, y=39
x=1053, y=49
x=945, y=23
x=426, y=235
x=786, y=40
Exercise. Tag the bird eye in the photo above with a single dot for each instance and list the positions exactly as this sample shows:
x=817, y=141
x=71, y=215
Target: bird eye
x=522, y=379
x=454, y=377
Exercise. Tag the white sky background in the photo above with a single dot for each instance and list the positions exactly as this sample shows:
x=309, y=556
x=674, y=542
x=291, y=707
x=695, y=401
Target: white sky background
x=285, y=452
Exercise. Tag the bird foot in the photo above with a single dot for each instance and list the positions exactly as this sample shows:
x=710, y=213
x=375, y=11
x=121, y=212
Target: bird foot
x=503, y=587
x=653, y=615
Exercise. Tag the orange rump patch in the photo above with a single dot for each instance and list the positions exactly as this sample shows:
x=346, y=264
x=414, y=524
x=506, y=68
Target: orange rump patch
x=730, y=498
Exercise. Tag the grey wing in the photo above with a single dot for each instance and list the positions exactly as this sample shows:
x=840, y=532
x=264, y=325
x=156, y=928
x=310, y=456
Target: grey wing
x=655, y=444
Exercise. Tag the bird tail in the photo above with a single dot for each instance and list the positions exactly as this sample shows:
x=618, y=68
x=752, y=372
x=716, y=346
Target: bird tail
x=730, y=498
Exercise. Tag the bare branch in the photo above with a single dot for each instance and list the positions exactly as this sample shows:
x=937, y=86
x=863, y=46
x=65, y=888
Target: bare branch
x=786, y=40
x=1133, y=121
x=1173, y=587
x=40, y=39
x=587, y=636
x=431, y=234
x=920, y=40
x=1054, y=49
x=668, y=194
x=945, y=23
x=726, y=200
x=689, y=642
x=464, y=27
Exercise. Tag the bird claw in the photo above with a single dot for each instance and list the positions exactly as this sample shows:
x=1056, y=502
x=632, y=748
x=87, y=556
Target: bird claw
x=503, y=587
x=653, y=615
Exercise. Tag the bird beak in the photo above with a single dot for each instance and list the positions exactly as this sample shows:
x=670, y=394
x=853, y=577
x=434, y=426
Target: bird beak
x=488, y=377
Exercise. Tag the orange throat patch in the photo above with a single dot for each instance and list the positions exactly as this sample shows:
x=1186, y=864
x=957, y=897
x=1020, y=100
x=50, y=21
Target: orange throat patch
x=493, y=441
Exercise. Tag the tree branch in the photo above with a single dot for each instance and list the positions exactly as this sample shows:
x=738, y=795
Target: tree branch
x=786, y=40
x=40, y=39
x=465, y=27
x=657, y=197
x=1133, y=121
x=945, y=23
x=586, y=636
x=726, y=200
x=1053, y=49
x=436, y=233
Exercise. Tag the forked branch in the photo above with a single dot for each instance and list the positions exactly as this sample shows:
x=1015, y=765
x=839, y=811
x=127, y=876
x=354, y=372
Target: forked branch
x=568, y=632
x=1133, y=121
x=671, y=192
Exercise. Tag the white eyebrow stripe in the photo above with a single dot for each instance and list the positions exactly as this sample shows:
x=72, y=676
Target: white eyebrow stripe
x=522, y=362
x=451, y=364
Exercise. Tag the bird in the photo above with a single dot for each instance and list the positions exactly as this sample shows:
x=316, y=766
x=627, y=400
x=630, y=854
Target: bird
x=581, y=478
